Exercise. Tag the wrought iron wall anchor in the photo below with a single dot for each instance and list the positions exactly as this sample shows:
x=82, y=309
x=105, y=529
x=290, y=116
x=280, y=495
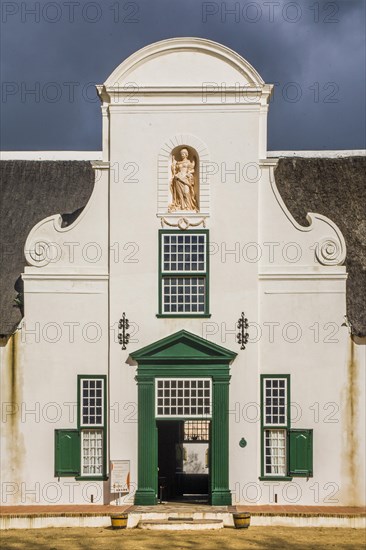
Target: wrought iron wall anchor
x=242, y=336
x=123, y=326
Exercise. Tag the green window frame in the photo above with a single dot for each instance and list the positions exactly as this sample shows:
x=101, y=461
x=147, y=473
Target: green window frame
x=183, y=273
x=82, y=452
x=285, y=452
x=92, y=422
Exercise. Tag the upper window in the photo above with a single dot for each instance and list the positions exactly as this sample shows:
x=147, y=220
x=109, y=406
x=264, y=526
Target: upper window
x=275, y=401
x=91, y=399
x=184, y=273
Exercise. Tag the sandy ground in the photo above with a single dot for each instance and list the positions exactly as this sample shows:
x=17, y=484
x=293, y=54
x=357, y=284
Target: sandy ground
x=225, y=539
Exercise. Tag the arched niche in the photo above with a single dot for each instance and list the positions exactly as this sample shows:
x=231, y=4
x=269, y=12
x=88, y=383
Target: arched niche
x=198, y=151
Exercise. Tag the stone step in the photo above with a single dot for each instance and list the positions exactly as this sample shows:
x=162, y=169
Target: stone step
x=180, y=524
x=181, y=516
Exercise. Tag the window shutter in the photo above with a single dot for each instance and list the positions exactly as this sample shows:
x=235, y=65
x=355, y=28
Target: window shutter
x=300, y=446
x=67, y=453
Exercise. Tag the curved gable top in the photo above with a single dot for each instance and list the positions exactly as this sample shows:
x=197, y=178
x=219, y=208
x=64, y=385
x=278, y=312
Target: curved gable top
x=184, y=62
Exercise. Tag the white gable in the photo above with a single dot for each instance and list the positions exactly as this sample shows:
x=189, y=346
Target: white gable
x=185, y=62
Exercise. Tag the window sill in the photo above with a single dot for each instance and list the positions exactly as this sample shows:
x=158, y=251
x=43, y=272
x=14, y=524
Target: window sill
x=67, y=474
x=92, y=478
x=182, y=315
x=275, y=478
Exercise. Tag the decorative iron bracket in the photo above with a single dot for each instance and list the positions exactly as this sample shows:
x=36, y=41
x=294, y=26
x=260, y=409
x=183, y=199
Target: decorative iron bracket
x=242, y=336
x=123, y=326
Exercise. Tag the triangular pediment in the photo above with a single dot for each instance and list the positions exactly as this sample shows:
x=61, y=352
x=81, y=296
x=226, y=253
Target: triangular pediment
x=183, y=346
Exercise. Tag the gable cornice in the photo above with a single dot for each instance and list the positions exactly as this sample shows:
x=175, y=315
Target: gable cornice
x=153, y=353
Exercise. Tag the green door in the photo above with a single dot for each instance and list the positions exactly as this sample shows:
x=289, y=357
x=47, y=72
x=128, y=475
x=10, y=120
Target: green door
x=183, y=355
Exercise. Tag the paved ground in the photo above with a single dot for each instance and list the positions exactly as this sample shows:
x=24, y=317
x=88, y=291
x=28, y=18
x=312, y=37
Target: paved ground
x=254, y=538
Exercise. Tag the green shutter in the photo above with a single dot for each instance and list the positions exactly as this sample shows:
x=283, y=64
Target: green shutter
x=300, y=447
x=67, y=453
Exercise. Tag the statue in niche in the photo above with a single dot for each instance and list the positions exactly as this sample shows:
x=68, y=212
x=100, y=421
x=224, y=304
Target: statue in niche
x=182, y=185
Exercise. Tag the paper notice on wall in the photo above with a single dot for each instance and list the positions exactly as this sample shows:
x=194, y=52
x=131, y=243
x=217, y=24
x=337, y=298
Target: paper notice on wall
x=120, y=476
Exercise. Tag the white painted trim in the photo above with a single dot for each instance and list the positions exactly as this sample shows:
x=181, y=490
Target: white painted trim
x=304, y=292
x=98, y=155
x=64, y=277
x=318, y=154
x=51, y=155
x=301, y=276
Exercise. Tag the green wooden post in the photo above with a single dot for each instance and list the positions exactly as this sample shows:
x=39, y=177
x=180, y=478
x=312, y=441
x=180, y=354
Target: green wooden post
x=220, y=493
x=147, y=444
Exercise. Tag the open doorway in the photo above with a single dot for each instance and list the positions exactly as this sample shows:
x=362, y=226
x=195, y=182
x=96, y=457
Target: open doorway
x=184, y=460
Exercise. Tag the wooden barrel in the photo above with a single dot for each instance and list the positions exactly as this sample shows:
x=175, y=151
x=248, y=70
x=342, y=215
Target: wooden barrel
x=241, y=520
x=119, y=521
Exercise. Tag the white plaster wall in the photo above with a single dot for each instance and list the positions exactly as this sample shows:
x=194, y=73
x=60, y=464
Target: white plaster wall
x=248, y=219
x=64, y=333
x=48, y=359
x=245, y=213
x=134, y=284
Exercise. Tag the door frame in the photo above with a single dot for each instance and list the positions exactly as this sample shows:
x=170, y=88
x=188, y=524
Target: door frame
x=183, y=355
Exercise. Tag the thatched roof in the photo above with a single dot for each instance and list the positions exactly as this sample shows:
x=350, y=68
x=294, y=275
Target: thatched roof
x=33, y=190
x=336, y=188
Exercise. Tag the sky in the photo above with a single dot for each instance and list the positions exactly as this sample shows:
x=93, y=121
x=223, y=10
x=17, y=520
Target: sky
x=54, y=52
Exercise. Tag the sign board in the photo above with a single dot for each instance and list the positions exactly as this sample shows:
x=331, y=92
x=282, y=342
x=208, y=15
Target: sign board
x=120, y=476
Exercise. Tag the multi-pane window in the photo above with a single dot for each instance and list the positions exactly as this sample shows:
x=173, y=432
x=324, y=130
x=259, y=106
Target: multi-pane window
x=92, y=404
x=184, y=272
x=81, y=452
x=275, y=452
x=183, y=397
x=286, y=452
x=92, y=452
x=184, y=294
x=184, y=252
x=275, y=405
x=275, y=402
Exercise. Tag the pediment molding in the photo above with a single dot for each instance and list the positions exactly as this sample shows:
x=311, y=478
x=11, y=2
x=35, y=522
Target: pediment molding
x=183, y=347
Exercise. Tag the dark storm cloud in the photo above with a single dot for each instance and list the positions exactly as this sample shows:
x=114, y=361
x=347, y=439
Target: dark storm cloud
x=314, y=52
